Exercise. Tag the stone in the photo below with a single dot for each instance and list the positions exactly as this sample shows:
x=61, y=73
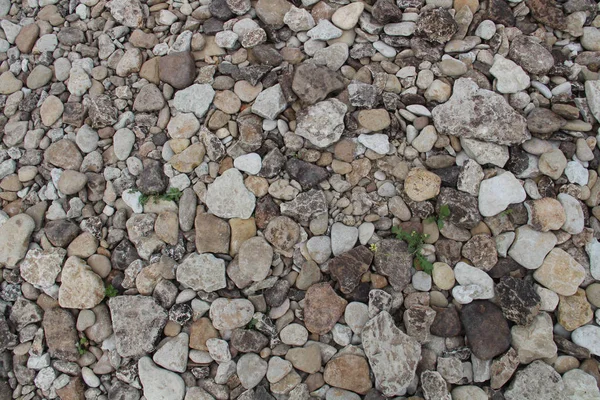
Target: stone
x=343, y=238
x=348, y=372
x=283, y=233
x=434, y=386
x=138, y=322
x=298, y=19
x=468, y=393
x=324, y=30
x=41, y=267
x=530, y=247
x=313, y=83
x=255, y=257
x=418, y=320
x=306, y=359
x=347, y=17
x=421, y=185
x=322, y=123
x=71, y=182
x=80, y=287
x=392, y=354
x=480, y=114
x=560, y=273
x=592, y=248
x=574, y=311
x=39, y=77
x=228, y=197
x=270, y=103
x=251, y=369
x=377, y=142
x=393, y=260
x=552, y=163
x=196, y=99
x=537, y=380
x=349, y=267
x=534, y=341
x=60, y=334
x=592, y=94
x=322, y=309
x=250, y=163
x=545, y=214
x=123, y=140
x=543, y=122
x=486, y=329
x=531, y=55
x=587, y=336
x=14, y=239
x=519, y=301
x=128, y=13
x=474, y=284
x=510, y=78
x=248, y=341
x=307, y=174
x=101, y=111
x=497, y=193
x=579, y=384
x=149, y=99
x=227, y=314
x=202, y=272
x=173, y=354
x=9, y=84
x=503, y=368
x=212, y=234
x=485, y=152
x=374, y=120
x=159, y=383
x=481, y=251
x=51, y=110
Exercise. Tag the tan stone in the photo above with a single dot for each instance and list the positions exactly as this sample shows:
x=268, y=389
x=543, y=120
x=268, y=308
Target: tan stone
x=212, y=234
x=545, y=214
x=349, y=372
x=421, y=185
x=307, y=359
x=574, y=311
x=241, y=230
x=560, y=273
x=200, y=332
x=189, y=159
x=374, y=120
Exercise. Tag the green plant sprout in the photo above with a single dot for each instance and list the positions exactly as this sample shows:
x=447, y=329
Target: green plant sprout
x=173, y=194
x=110, y=291
x=415, y=241
x=441, y=217
x=82, y=345
x=373, y=247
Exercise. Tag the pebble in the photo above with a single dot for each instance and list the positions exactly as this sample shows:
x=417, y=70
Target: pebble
x=497, y=193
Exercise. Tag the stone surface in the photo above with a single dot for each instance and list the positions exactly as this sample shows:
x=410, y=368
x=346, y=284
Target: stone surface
x=202, y=272
x=137, y=323
x=159, y=383
x=486, y=329
x=80, y=286
x=534, y=341
x=497, y=193
x=228, y=197
x=322, y=309
x=322, y=124
x=392, y=354
x=480, y=114
x=14, y=239
x=537, y=380
x=560, y=272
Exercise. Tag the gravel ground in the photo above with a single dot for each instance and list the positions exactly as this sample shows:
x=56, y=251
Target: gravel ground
x=304, y=199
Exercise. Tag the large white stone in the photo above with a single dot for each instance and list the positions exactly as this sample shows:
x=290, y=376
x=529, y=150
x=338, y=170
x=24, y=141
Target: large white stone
x=474, y=284
x=196, y=98
x=202, y=272
x=158, y=383
x=228, y=197
x=497, y=193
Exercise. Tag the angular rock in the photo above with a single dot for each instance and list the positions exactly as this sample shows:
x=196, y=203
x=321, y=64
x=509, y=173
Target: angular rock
x=574, y=311
x=534, y=341
x=196, y=99
x=348, y=372
x=305, y=206
x=392, y=354
x=128, y=13
x=60, y=334
x=538, y=381
x=348, y=267
x=14, y=239
x=393, y=260
x=545, y=214
x=518, y=299
x=138, y=322
x=212, y=234
x=480, y=114
x=322, y=309
x=307, y=174
x=80, y=287
x=202, y=272
x=530, y=247
x=322, y=123
x=228, y=197
x=229, y=314
x=560, y=273
x=486, y=329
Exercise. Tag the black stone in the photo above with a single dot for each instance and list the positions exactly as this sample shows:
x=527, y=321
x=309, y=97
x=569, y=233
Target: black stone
x=272, y=163
x=436, y=25
x=386, y=11
x=348, y=268
x=307, y=174
x=267, y=55
x=486, y=329
x=464, y=209
x=446, y=322
x=248, y=341
x=518, y=299
x=123, y=255
x=181, y=313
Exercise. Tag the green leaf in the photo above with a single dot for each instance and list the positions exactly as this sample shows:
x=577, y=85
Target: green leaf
x=440, y=223
x=430, y=219
x=110, y=291
x=444, y=211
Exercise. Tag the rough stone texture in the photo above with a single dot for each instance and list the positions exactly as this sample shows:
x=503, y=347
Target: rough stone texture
x=228, y=197
x=519, y=301
x=323, y=123
x=60, y=334
x=348, y=267
x=560, y=272
x=202, y=272
x=393, y=260
x=486, y=329
x=80, y=287
x=480, y=114
x=534, y=341
x=322, y=308
x=392, y=354
x=14, y=239
x=538, y=380
x=137, y=322
x=348, y=372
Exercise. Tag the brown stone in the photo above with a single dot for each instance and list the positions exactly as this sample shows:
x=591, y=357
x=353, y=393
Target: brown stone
x=323, y=308
x=177, y=69
x=200, y=332
x=149, y=70
x=545, y=214
x=503, y=368
x=446, y=322
x=212, y=234
x=27, y=37
x=348, y=372
x=75, y=390
x=574, y=311
x=241, y=230
x=64, y=154
x=61, y=336
x=486, y=329
x=546, y=12
x=481, y=250
x=348, y=267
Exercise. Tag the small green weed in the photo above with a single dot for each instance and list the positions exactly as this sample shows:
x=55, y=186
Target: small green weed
x=252, y=323
x=110, y=291
x=172, y=194
x=441, y=217
x=373, y=247
x=415, y=241
x=82, y=345
x=507, y=212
